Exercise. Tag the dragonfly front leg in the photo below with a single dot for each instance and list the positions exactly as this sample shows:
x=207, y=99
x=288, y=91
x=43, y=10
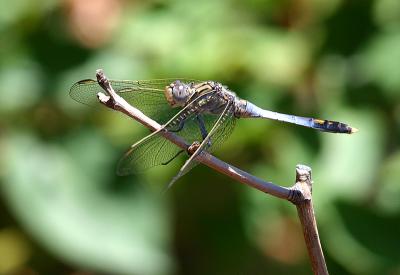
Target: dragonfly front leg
x=202, y=126
x=180, y=126
x=203, y=129
x=193, y=147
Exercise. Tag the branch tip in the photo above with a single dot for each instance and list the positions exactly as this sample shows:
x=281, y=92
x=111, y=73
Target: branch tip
x=102, y=97
x=303, y=173
x=99, y=73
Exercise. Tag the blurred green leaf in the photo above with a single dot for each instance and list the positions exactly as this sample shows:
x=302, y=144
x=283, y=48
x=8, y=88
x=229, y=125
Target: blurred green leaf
x=379, y=62
x=22, y=82
x=328, y=59
x=339, y=170
x=388, y=185
x=60, y=201
x=387, y=13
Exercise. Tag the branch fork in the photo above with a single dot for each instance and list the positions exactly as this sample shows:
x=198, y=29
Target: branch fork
x=300, y=194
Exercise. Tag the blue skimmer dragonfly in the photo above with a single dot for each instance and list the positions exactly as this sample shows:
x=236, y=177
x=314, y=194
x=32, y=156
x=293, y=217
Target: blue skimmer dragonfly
x=202, y=112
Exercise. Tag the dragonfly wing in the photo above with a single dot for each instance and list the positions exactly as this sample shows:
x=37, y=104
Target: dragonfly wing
x=218, y=134
x=154, y=149
x=150, y=151
x=146, y=95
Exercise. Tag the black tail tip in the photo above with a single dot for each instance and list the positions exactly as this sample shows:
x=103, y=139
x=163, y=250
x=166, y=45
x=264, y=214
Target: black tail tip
x=333, y=127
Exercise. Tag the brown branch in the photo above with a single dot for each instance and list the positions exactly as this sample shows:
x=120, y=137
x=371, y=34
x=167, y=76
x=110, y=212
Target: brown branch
x=299, y=194
x=306, y=213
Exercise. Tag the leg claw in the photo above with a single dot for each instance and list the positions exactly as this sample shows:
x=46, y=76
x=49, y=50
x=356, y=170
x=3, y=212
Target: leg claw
x=192, y=148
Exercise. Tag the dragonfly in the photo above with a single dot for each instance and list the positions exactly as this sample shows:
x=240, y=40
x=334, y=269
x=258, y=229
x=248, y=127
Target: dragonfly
x=203, y=113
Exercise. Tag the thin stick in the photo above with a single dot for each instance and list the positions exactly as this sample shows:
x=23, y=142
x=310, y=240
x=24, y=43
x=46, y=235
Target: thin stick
x=307, y=218
x=299, y=194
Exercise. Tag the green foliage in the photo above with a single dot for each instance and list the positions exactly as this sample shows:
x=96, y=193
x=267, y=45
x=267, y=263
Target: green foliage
x=63, y=208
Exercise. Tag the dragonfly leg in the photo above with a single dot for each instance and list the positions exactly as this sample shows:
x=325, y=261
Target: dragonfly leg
x=174, y=157
x=192, y=148
x=180, y=127
x=203, y=129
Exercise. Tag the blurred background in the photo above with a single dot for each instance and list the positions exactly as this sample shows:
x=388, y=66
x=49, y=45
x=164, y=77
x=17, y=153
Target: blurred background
x=64, y=211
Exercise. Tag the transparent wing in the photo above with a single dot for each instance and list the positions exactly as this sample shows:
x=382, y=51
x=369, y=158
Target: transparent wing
x=219, y=133
x=146, y=95
x=151, y=151
x=223, y=131
x=155, y=150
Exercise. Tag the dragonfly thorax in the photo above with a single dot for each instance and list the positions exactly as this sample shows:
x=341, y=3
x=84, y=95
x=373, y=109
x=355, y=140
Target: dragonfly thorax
x=178, y=93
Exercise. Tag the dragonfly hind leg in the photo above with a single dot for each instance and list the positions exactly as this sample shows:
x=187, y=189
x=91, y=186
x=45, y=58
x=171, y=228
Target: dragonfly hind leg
x=174, y=157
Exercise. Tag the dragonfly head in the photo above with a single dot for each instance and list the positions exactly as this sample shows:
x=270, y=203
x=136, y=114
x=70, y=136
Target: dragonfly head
x=177, y=93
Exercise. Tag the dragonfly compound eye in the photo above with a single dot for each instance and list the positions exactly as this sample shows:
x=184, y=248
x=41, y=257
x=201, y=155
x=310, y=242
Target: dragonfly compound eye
x=177, y=93
x=168, y=94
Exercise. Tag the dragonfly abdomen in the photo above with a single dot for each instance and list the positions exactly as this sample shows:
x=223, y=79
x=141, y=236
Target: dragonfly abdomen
x=247, y=109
